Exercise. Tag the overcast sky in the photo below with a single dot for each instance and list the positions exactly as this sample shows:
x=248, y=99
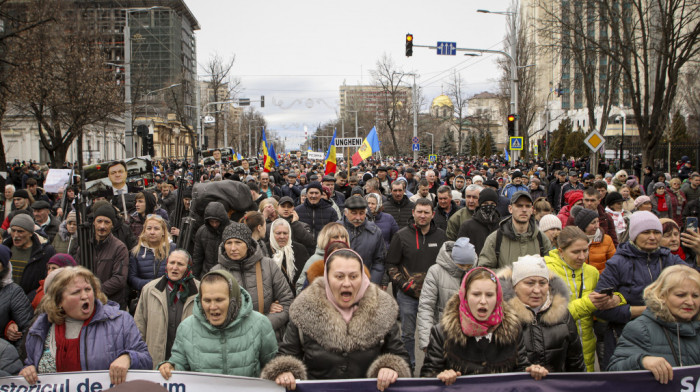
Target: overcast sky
x=298, y=53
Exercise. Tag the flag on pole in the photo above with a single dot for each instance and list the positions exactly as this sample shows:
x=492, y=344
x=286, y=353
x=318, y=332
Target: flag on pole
x=330, y=156
x=369, y=147
x=507, y=155
x=269, y=156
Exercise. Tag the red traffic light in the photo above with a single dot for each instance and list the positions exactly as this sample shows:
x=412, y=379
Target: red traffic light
x=409, y=37
x=511, y=118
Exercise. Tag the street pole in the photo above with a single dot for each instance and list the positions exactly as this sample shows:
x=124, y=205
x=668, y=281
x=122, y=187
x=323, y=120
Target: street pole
x=622, y=138
x=432, y=142
x=514, y=77
x=225, y=130
x=128, y=122
x=415, y=116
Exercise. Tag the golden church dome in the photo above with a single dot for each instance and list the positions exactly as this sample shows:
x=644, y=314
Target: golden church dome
x=442, y=100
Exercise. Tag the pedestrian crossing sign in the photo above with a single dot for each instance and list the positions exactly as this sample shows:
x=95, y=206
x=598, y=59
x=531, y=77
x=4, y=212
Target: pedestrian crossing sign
x=516, y=143
x=432, y=158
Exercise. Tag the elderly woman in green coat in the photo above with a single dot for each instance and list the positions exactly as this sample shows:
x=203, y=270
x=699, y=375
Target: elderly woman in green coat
x=224, y=334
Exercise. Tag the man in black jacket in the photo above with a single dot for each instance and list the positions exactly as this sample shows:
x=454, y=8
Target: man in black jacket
x=30, y=253
x=412, y=251
x=554, y=192
x=398, y=205
x=446, y=207
x=316, y=212
x=483, y=222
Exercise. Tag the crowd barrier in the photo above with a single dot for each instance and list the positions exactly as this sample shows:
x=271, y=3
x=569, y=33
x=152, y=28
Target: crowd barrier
x=685, y=379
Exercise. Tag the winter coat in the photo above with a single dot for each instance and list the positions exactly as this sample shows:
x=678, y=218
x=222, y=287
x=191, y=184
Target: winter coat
x=368, y=242
x=671, y=205
x=241, y=348
x=513, y=245
x=293, y=191
x=300, y=257
x=690, y=192
x=649, y=335
x=316, y=215
x=35, y=270
x=320, y=345
x=455, y=222
x=207, y=240
x=302, y=282
x=606, y=222
x=144, y=267
x=386, y=223
x=14, y=306
x=10, y=364
x=441, y=282
x=537, y=193
x=109, y=334
x=402, y=211
x=441, y=217
x=569, y=187
x=275, y=287
x=554, y=194
x=580, y=283
x=599, y=252
x=51, y=227
x=630, y=271
x=151, y=315
x=111, y=267
x=450, y=348
x=413, y=252
x=477, y=231
x=63, y=241
x=509, y=190
x=550, y=336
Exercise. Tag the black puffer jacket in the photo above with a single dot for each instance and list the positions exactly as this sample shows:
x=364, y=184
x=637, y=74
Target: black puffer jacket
x=401, y=211
x=207, y=239
x=316, y=215
x=330, y=348
x=550, y=337
x=450, y=348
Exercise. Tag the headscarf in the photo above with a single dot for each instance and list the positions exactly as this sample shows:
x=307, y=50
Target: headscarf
x=376, y=197
x=180, y=288
x=470, y=325
x=234, y=295
x=347, y=313
x=285, y=253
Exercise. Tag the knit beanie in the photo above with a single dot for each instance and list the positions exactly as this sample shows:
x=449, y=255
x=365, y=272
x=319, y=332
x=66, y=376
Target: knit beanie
x=5, y=255
x=107, y=211
x=21, y=193
x=549, y=222
x=612, y=198
x=488, y=194
x=238, y=231
x=641, y=200
x=642, y=221
x=527, y=266
x=584, y=218
x=317, y=185
x=62, y=260
x=463, y=252
x=24, y=221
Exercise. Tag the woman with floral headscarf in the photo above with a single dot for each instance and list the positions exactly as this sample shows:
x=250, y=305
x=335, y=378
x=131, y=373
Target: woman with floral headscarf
x=287, y=254
x=478, y=334
x=162, y=300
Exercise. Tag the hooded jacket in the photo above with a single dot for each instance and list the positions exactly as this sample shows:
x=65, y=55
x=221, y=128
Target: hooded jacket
x=368, y=242
x=550, y=336
x=402, y=211
x=600, y=251
x=319, y=345
x=316, y=215
x=657, y=333
x=63, y=240
x=136, y=220
x=109, y=334
x=441, y=283
x=450, y=348
x=207, y=239
x=275, y=287
x=513, y=245
x=241, y=348
x=35, y=270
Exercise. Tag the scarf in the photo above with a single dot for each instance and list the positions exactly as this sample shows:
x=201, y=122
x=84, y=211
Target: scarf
x=285, y=253
x=487, y=214
x=346, y=313
x=179, y=288
x=661, y=202
x=680, y=253
x=470, y=325
x=597, y=237
x=68, y=350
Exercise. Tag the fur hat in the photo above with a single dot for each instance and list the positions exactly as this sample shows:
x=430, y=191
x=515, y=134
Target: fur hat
x=584, y=218
x=24, y=221
x=549, y=222
x=527, y=266
x=642, y=221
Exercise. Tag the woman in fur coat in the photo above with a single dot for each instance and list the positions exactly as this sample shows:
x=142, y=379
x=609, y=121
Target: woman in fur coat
x=540, y=299
x=341, y=327
x=478, y=334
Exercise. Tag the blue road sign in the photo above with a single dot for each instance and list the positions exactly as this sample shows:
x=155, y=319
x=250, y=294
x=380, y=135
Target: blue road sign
x=447, y=48
x=516, y=143
x=416, y=147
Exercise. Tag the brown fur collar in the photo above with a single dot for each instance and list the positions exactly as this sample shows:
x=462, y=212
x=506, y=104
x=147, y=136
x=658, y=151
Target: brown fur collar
x=558, y=309
x=506, y=333
x=317, y=318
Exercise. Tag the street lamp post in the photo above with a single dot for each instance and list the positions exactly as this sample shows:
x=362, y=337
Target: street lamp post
x=432, y=142
x=622, y=138
x=354, y=111
x=415, y=109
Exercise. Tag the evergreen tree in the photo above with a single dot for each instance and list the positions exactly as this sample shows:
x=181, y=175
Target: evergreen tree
x=679, y=131
x=474, y=146
x=559, y=138
x=486, y=148
x=574, y=144
x=447, y=146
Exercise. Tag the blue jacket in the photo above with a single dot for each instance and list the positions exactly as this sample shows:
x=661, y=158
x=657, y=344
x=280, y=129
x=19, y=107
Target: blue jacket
x=368, y=242
x=316, y=215
x=510, y=189
x=144, y=267
x=110, y=333
x=387, y=224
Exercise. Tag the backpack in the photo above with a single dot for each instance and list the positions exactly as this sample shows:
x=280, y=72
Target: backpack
x=499, y=240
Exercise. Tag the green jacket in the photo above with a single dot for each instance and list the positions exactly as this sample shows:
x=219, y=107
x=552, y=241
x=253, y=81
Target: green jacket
x=513, y=245
x=240, y=349
x=455, y=221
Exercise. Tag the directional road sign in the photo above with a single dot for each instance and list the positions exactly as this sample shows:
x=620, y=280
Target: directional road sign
x=447, y=48
x=515, y=143
x=348, y=142
x=594, y=141
x=416, y=147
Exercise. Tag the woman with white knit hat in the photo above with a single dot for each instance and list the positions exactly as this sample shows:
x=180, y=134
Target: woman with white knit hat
x=550, y=225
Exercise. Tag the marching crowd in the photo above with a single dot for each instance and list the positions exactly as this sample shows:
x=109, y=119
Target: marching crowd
x=295, y=274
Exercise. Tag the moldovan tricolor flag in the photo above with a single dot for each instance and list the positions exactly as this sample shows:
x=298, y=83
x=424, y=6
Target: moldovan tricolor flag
x=330, y=157
x=369, y=147
x=269, y=156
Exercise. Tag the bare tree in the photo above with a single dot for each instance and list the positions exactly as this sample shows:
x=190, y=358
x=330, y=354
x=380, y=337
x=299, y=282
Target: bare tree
x=389, y=78
x=455, y=91
x=223, y=87
x=60, y=77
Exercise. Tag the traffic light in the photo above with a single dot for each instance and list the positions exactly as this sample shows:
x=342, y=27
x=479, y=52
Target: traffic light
x=409, y=45
x=262, y=101
x=150, y=150
x=142, y=130
x=511, y=124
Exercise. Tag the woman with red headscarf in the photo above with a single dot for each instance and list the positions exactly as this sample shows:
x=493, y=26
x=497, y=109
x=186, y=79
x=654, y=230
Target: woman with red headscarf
x=478, y=334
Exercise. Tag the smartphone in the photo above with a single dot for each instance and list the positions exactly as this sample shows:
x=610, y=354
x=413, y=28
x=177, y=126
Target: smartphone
x=609, y=291
x=691, y=224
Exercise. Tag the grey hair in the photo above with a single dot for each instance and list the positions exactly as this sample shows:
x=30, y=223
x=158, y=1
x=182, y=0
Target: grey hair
x=376, y=197
x=11, y=187
x=184, y=253
x=474, y=187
